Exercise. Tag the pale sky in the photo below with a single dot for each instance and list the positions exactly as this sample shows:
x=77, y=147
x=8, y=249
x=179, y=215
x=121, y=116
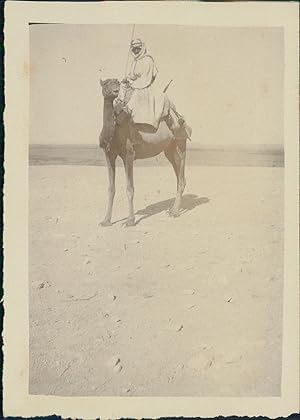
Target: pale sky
x=227, y=82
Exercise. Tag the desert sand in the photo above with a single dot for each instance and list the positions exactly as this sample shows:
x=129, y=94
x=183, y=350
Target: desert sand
x=190, y=306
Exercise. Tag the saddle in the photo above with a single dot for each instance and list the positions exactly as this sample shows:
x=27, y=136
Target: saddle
x=174, y=121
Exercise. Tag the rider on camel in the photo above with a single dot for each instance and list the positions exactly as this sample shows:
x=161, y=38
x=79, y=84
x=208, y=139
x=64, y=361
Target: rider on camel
x=143, y=101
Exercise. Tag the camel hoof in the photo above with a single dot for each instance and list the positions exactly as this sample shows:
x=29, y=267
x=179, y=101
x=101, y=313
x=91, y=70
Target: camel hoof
x=172, y=213
x=106, y=223
x=130, y=223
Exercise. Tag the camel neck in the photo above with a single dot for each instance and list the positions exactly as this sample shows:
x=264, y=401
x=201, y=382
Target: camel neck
x=108, y=110
x=108, y=104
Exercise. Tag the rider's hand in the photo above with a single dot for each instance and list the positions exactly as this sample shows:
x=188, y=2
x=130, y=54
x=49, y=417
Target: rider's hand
x=134, y=77
x=126, y=82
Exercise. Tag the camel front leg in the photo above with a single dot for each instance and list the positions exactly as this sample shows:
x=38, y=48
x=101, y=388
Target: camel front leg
x=111, y=166
x=181, y=182
x=128, y=163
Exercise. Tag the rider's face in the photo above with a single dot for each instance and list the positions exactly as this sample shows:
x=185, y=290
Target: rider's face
x=136, y=50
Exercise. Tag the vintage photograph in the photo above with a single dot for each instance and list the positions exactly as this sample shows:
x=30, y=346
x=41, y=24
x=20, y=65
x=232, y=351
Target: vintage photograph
x=156, y=210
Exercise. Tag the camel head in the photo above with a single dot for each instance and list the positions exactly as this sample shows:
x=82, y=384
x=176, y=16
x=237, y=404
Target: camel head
x=110, y=88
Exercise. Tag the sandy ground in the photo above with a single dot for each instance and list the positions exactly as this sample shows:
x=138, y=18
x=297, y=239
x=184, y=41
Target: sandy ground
x=172, y=307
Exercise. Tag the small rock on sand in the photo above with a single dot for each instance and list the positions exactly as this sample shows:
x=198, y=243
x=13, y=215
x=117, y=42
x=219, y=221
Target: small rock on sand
x=190, y=306
x=180, y=366
x=114, y=361
x=118, y=368
x=188, y=292
x=176, y=327
x=116, y=319
x=206, y=346
x=43, y=284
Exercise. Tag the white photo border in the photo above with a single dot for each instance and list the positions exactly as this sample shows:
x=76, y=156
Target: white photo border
x=18, y=15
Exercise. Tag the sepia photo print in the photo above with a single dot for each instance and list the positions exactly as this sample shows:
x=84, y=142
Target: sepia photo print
x=156, y=241
x=180, y=295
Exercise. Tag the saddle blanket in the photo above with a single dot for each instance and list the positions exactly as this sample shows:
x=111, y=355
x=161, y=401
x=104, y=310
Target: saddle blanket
x=147, y=106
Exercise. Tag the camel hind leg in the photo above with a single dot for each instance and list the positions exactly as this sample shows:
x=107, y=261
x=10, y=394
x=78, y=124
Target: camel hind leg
x=176, y=155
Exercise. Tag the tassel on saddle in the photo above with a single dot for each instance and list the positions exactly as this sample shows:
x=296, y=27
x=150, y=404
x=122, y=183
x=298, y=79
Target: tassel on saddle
x=177, y=125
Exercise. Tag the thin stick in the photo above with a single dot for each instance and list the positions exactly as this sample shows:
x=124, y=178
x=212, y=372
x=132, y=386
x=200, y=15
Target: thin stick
x=132, y=33
x=166, y=88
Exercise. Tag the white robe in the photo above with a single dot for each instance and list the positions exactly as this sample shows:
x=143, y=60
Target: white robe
x=147, y=100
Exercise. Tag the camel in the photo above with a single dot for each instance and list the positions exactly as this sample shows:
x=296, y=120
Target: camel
x=120, y=137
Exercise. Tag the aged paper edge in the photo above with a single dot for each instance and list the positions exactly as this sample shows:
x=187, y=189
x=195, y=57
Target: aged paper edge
x=17, y=401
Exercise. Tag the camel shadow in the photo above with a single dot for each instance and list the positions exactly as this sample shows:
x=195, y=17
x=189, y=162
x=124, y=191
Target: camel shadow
x=189, y=202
